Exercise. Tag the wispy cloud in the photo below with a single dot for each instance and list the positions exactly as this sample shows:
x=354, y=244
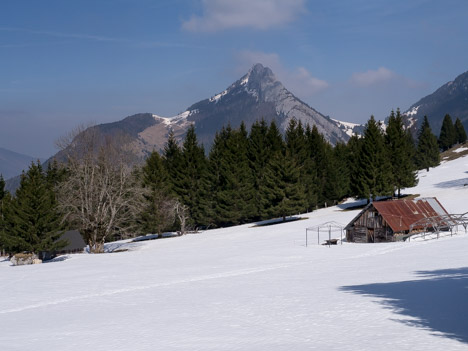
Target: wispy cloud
x=372, y=77
x=299, y=80
x=258, y=14
x=90, y=37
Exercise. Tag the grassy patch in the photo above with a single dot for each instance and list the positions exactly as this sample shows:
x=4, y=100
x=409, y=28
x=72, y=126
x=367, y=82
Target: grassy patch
x=450, y=154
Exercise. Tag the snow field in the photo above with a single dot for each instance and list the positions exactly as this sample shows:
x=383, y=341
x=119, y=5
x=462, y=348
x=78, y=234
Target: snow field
x=251, y=288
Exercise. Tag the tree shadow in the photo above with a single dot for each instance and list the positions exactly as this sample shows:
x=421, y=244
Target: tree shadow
x=438, y=301
x=457, y=183
x=57, y=259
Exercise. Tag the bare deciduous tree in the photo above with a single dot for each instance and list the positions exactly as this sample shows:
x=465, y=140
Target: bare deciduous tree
x=101, y=195
x=183, y=215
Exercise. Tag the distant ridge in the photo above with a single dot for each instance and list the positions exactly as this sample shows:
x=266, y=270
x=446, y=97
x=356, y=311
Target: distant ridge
x=451, y=98
x=13, y=163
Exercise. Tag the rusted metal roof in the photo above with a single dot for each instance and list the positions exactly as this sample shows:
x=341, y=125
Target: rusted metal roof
x=400, y=214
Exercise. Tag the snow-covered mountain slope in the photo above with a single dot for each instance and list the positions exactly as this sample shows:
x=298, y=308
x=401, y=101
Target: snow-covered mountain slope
x=451, y=98
x=258, y=94
x=251, y=288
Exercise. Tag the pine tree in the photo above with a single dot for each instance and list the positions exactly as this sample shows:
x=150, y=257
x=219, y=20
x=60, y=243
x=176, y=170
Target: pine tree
x=158, y=216
x=259, y=154
x=447, y=137
x=32, y=219
x=286, y=194
x=342, y=171
x=192, y=187
x=296, y=149
x=354, y=147
x=460, y=132
x=400, y=151
x=319, y=155
x=172, y=161
x=231, y=177
x=427, y=152
x=374, y=177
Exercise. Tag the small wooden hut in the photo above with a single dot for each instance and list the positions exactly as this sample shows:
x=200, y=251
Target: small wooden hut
x=382, y=221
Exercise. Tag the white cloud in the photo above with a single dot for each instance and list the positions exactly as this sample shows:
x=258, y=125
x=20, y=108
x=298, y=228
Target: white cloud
x=298, y=80
x=257, y=14
x=372, y=77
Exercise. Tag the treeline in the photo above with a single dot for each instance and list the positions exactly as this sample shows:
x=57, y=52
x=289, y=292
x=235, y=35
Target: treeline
x=257, y=175
x=450, y=133
x=246, y=176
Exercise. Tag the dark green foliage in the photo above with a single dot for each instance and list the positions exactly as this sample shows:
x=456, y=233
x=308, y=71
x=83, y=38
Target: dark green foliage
x=231, y=177
x=460, y=133
x=192, y=186
x=286, y=193
x=427, y=152
x=400, y=150
x=172, y=160
x=259, y=154
x=157, y=217
x=354, y=147
x=342, y=171
x=317, y=176
x=373, y=176
x=32, y=219
x=447, y=137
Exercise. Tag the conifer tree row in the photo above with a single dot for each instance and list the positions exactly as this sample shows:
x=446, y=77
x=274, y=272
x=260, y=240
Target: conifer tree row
x=31, y=220
x=246, y=176
x=257, y=175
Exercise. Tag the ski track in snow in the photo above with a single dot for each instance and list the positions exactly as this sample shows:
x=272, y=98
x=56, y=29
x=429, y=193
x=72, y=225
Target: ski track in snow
x=229, y=274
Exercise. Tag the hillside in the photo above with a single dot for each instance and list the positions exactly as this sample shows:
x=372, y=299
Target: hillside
x=251, y=288
x=451, y=98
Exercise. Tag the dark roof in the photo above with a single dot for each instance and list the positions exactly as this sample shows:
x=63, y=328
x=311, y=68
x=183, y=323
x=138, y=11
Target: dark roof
x=74, y=239
x=400, y=214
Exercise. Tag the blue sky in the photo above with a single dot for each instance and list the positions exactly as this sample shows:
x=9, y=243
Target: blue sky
x=63, y=63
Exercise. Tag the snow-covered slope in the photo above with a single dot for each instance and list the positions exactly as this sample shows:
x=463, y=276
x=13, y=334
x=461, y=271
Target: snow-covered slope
x=251, y=288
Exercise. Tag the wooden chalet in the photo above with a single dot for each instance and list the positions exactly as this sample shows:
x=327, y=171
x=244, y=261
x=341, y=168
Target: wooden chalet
x=384, y=221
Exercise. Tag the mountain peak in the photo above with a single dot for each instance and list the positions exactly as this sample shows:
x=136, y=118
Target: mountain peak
x=258, y=72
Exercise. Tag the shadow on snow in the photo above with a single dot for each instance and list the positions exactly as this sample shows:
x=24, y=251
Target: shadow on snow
x=438, y=301
x=453, y=183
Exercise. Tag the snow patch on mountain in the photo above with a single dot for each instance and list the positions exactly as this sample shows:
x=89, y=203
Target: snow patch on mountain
x=218, y=96
x=348, y=127
x=413, y=111
x=178, y=119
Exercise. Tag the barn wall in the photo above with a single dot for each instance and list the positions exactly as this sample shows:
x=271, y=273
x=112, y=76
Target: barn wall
x=369, y=227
